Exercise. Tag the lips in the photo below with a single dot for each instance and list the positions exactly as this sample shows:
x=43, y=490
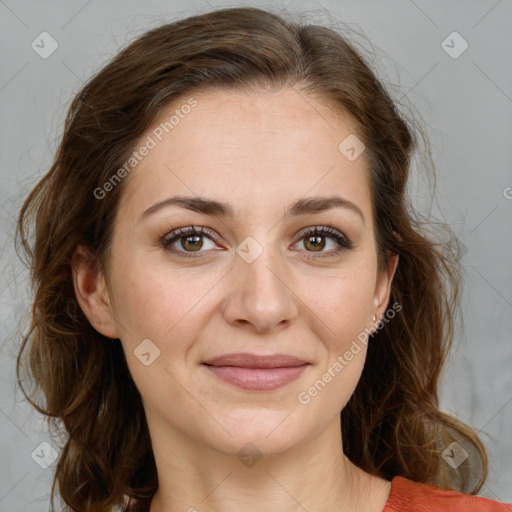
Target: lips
x=247, y=360
x=253, y=372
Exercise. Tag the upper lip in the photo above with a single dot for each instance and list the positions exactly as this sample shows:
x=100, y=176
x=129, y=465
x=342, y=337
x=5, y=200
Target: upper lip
x=247, y=360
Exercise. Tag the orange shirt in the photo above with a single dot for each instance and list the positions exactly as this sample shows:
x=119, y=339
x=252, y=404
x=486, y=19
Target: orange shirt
x=409, y=496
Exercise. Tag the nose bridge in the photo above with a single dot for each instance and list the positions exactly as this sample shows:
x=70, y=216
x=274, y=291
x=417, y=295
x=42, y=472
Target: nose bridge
x=259, y=252
x=260, y=293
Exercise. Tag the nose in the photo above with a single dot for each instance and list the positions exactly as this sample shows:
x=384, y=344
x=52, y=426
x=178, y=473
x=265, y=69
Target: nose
x=260, y=295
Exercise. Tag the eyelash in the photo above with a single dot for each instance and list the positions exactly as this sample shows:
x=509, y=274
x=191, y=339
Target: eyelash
x=344, y=244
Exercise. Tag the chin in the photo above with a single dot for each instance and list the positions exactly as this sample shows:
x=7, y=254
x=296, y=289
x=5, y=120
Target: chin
x=266, y=432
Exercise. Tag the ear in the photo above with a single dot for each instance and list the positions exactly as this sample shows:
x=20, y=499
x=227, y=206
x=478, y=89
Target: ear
x=92, y=293
x=383, y=287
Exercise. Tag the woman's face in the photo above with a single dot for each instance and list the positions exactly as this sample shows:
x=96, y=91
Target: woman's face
x=257, y=280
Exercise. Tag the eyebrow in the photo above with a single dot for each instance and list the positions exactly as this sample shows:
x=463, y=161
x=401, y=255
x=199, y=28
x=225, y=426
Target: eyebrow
x=303, y=206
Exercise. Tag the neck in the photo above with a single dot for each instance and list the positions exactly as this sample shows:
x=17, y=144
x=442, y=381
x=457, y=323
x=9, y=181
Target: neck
x=314, y=476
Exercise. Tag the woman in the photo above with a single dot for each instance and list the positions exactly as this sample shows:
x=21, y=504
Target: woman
x=228, y=274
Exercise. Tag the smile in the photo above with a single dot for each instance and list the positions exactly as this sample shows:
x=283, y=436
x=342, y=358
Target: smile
x=257, y=379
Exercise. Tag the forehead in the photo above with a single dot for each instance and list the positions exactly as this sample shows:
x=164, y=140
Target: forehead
x=251, y=149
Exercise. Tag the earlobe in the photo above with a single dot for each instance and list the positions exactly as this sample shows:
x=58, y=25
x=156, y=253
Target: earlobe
x=92, y=293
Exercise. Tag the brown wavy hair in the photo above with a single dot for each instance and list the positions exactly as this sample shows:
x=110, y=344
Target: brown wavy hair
x=392, y=424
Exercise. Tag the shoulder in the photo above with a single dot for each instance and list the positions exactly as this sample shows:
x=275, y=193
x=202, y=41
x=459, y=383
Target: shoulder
x=407, y=496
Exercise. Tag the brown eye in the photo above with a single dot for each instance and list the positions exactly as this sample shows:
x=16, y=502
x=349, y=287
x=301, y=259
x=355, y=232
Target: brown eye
x=316, y=243
x=187, y=240
x=192, y=242
x=315, y=240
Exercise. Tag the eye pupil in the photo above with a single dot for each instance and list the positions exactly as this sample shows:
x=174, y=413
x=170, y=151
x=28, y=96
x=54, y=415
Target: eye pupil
x=197, y=239
x=316, y=245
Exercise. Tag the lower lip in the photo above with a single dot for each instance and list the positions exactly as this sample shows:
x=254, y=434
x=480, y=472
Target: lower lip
x=257, y=379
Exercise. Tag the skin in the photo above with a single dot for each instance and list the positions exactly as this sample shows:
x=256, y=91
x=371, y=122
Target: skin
x=259, y=151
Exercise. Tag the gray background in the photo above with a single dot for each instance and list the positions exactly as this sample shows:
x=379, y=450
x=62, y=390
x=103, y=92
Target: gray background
x=466, y=103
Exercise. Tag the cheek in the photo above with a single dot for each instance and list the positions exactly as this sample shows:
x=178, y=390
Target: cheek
x=166, y=306
x=150, y=301
x=167, y=312
x=342, y=303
